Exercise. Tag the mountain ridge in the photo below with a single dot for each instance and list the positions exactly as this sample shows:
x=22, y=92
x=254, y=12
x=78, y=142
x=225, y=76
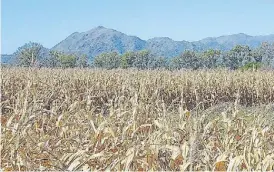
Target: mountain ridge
x=101, y=39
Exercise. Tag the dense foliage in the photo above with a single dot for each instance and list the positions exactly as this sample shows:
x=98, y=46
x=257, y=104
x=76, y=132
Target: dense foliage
x=239, y=57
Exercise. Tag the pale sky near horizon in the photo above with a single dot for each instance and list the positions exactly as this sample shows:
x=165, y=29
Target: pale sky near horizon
x=50, y=21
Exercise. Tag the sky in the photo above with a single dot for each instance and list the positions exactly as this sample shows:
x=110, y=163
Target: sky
x=50, y=21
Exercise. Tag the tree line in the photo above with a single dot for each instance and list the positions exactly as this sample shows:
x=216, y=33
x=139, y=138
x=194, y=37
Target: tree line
x=240, y=56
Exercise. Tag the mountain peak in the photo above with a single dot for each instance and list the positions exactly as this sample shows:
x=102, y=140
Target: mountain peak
x=100, y=27
x=161, y=39
x=99, y=40
x=243, y=34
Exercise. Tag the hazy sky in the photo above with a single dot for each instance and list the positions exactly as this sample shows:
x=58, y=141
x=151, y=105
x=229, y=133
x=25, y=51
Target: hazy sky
x=50, y=21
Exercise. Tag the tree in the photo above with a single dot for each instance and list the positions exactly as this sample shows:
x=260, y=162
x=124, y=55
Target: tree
x=142, y=59
x=157, y=62
x=53, y=60
x=67, y=61
x=209, y=58
x=82, y=61
x=127, y=59
x=251, y=66
x=60, y=59
x=175, y=63
x=188, y=60
x=107, y=60
x=238, y=56
x=266, y=51
x=29, y=54
x=257, y=55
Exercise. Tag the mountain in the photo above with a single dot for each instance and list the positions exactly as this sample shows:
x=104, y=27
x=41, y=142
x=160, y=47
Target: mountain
x=229, y=41
x=101, y=39
x=166, y=47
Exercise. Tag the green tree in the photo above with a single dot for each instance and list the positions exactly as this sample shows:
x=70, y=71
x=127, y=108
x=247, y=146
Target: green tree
x=107, y=60
x=251, y=66
x=142, y=59
x=188, y=60
x=53, y=60
x=82, y=61
x=175, y=63
x=29, y=54
x=238, y=57
x=208, y=59
x=266, y=51
x=157, y=62
x=67, y=60
x=127, y=59
x=60, y=59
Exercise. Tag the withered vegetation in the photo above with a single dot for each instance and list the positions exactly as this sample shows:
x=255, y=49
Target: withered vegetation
x=83, y=119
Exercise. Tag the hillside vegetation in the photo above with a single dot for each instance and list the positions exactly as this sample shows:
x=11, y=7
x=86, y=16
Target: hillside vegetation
x=87, y=119
x=239, y=57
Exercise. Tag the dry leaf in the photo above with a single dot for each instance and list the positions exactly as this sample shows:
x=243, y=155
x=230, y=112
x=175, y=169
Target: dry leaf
x=220, y=166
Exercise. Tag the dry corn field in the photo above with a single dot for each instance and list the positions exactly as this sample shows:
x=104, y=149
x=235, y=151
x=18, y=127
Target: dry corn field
x=129, y=120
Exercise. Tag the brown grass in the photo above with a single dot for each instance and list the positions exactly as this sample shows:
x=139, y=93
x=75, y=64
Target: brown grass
x=136, y=120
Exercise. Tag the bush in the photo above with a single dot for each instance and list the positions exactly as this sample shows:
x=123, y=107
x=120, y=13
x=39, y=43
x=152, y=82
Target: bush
x=251, y=66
